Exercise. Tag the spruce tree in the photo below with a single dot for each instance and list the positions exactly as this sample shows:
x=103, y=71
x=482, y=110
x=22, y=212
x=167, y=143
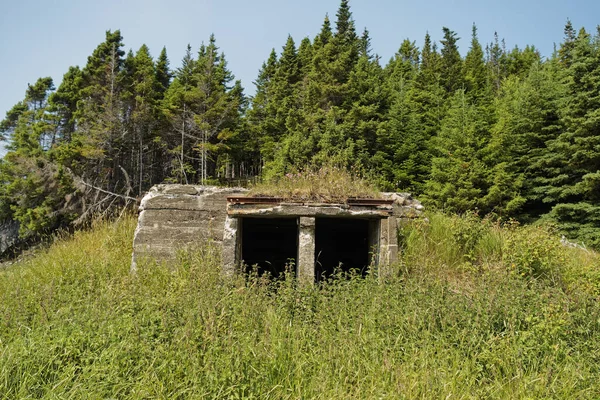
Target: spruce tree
x=451, y=63
x=565, y=52
x=422, y=112
x=496, y=63
x=98, y=151
x=527, y=115
x=163, y=74
x=400, y=141
x=458, y=176
x=261, y=116
x=143, y=110
x=575, y=187
x=305, y=54
x=217, y=112
x=475, y=72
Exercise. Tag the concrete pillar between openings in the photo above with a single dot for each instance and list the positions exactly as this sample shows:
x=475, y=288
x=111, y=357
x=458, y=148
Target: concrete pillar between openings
x=231, y=242
x=374, y=242
x=388, y=250
x=306, y=251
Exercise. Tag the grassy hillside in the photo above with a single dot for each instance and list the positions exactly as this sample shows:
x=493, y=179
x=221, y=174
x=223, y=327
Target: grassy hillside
x=475, y=311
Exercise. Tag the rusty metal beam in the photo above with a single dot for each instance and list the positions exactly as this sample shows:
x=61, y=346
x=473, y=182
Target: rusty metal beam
x=276, y=200
x=255, y=200
x=368, y=202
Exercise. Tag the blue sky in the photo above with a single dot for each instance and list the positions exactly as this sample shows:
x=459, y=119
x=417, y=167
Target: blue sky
x=45, y=37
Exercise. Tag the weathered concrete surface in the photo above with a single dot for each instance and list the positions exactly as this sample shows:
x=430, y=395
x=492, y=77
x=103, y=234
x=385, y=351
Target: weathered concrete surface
x=306, y=251
x=175, y=216
x=231, y=245
x=308, y=210
x=388, y=246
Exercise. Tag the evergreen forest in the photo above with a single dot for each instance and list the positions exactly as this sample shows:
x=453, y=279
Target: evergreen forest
x=501, y=132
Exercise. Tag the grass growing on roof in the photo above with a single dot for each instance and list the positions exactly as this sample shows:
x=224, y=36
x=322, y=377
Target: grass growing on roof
x=326, y=184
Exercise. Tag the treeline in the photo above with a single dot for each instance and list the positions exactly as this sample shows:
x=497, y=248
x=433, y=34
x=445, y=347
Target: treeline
x=500, y=131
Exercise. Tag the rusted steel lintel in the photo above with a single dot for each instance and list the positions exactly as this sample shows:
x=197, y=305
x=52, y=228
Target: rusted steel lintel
x=255, y=200
x=369, y=202
x=277, y=200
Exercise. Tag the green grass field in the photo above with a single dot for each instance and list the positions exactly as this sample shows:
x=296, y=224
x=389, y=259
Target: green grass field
x=475, y=310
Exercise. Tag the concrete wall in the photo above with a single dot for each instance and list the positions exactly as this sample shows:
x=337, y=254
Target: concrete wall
x=173, y=217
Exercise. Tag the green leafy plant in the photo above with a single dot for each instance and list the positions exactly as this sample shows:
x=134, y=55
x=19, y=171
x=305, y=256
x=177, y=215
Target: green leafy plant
x=534, y=252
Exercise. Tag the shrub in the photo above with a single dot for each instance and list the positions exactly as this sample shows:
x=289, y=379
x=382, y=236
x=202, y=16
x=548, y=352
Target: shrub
x=534, y=252
x=451, y=242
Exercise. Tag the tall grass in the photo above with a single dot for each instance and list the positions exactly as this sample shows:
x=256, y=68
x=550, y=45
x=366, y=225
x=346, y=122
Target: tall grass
x=456, y=321
x=325, y=184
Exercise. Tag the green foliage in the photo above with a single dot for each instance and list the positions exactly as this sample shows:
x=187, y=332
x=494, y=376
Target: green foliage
x=451, y=63
x=534, y=252
x=458, y=174
x=459, y=245
x=527, y=124
x=204, y=110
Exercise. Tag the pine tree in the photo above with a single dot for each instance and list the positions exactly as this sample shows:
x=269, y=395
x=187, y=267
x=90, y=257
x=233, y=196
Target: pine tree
x=34, y=187
x=9, y=123
x=63, y=102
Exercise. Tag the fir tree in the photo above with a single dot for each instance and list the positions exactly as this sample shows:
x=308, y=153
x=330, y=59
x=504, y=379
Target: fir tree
x=163, y=74
x=458, y=176
x=451, y=63
x=576, y=186
x=475, y=72
x=496, y=63
x=527, y=123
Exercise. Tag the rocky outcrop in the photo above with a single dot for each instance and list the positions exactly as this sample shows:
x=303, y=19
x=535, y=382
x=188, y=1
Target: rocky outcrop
x=405, y=206
x=9, y=236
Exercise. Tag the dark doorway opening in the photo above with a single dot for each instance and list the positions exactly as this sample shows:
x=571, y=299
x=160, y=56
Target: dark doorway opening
x=341, y=244
x=269, y=244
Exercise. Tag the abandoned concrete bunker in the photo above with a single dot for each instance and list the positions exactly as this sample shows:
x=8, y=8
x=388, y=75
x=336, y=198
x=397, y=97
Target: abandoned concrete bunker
x=270, y=235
